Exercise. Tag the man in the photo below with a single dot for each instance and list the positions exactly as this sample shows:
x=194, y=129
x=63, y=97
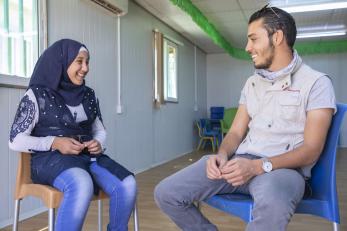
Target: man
x=276, y=137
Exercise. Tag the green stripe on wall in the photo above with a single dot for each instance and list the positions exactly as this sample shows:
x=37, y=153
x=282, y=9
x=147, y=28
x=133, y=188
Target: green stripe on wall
x=305, y=48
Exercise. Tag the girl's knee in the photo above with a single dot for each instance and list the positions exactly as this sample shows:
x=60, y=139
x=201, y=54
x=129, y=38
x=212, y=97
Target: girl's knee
x=80, y=181
x=129, y=184
x=124, y=188
x=77, y=186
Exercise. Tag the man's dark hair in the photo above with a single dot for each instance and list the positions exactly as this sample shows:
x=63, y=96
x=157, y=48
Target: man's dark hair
x=276, y=19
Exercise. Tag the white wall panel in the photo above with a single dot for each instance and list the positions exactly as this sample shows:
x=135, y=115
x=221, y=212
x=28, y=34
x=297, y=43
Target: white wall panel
x=5, y=196
x=9, y=99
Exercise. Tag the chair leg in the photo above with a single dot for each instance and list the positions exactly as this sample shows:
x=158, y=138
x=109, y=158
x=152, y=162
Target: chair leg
x=16, y=215
x=212, y=143
x=217, y=142
x=336, y=226
x=136, y=218
x=199, y=146
x=203, y=143
x=100, y=215
x=51, y=217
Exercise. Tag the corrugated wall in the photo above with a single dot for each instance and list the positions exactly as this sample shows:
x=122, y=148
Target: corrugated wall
x=9, y=99
x=142, y=136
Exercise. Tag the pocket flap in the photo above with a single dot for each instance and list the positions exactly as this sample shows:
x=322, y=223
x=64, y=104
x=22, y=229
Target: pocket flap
x=290, y=98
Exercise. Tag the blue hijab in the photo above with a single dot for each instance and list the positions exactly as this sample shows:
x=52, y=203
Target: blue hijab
x=51, y=71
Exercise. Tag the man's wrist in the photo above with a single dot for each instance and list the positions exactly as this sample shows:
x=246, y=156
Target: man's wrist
x=258, y=167
x=222, y=154
x=267, y=165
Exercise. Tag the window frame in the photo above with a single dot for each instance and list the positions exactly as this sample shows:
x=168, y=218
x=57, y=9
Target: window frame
x=21, y=82
x=166, y=43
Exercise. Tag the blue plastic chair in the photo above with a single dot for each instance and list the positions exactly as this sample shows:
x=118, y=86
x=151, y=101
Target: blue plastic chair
x=217, y=113
x=206, y=133
x=324, y=200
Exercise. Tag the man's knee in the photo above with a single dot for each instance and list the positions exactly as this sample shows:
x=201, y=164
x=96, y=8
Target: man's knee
x=180, y=189
x=161, y=193
x=167, y=195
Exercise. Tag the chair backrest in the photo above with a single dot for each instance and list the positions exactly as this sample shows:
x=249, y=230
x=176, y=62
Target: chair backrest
x=205, y=126
x=23, y=172
x=229, y=115
x=217, y=113
x=323, y=181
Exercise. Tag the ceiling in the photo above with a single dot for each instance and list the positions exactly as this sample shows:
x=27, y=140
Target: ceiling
x=230, y=18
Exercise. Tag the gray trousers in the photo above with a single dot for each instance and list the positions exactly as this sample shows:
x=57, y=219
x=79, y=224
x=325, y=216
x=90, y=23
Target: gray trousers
x=276, y=195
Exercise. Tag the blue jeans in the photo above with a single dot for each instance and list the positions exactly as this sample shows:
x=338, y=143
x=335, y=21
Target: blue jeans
x=77, y=186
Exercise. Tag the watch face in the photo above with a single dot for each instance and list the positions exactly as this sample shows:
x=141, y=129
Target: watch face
x=267, y=166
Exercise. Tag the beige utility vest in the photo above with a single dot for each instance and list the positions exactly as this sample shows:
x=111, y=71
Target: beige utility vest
x=278, y=112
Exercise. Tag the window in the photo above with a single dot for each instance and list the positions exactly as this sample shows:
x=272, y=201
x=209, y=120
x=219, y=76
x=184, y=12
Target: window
x=20, y=37
x=165, y=59
x=170, y=71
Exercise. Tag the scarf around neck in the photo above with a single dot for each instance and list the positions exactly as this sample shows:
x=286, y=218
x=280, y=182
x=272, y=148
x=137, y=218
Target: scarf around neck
x=272, y=75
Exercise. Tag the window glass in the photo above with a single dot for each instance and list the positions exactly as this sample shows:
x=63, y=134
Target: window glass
x=19, y=37
x=170, y=71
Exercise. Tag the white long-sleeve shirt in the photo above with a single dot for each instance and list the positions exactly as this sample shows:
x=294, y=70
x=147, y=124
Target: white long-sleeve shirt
x=24, y=142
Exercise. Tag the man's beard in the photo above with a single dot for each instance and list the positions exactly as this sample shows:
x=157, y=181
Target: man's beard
x=268, y=61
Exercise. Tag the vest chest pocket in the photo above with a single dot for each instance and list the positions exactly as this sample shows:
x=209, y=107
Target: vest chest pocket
x=289, y=105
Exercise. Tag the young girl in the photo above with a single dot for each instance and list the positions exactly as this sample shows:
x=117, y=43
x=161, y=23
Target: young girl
x=59, y=122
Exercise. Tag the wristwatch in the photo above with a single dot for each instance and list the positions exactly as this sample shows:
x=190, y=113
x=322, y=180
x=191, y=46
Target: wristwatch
x=267, y=165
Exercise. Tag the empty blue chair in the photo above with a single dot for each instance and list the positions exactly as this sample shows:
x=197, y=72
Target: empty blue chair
x=206, y=133
x=217, y=113
x=324, y=200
